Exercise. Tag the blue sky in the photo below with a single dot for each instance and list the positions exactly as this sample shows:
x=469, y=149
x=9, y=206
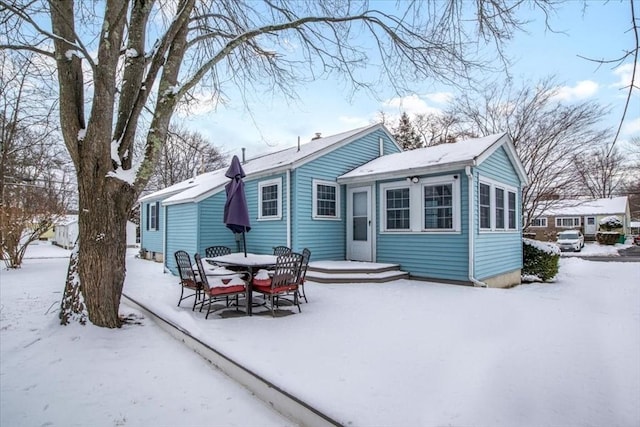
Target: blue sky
x=599, y=30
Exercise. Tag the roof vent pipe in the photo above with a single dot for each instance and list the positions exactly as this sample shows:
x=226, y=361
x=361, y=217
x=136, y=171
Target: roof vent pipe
x=243, y=160
x=298, y=142
x=318, y=136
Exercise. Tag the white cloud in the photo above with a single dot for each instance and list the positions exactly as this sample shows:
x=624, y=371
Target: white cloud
x=199, y=104
x=440, y=97
x=631, y=127
x=411, y=104
x=583, y=89
x=354, y=121
x=623, y=73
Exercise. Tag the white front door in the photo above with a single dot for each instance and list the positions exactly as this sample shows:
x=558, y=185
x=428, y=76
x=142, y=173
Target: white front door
x=359, y=224
x=590, y=225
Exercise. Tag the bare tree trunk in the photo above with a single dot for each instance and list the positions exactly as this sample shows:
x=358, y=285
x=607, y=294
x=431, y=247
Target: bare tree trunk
x=72, y=305
x=104, y=211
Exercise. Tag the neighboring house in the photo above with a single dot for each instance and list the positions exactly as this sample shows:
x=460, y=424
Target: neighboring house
x=634, y=228
x=449, y=213
x=66, y=232
x=580, y=214
x=49, y=234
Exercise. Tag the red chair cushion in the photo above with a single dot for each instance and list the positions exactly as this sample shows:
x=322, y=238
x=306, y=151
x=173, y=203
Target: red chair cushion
x=278, y=290
x=188, y=283
x=262, y=282
x=223, y=290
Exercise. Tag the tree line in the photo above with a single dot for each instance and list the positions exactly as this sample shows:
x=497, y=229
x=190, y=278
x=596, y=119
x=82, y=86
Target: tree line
x=564, y=147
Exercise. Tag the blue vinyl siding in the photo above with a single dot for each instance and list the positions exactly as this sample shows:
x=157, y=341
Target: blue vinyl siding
x=497, y=252
x=213, y=231
x=182, y=226
x=265, y=234
x=425, y=254
x=499, y=167
x=326, y=238
x=151, y=240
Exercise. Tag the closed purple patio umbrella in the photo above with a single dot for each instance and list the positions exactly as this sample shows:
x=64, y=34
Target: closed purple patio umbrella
x=236, y=211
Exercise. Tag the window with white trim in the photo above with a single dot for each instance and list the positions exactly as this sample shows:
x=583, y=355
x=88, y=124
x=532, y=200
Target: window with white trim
x=539, y=222
x=270, y=199
x=153, y=219
x=397, y=211
x=511, y=210
x=421, y=205
x=326, y=200
x=438, y=207
x=497, y=206
x=567, y=222
x=485, y=206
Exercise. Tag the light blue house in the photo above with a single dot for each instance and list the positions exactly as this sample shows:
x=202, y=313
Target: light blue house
x=449, y=213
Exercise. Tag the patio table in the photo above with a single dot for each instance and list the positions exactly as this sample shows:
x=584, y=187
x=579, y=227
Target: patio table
x=252, y=262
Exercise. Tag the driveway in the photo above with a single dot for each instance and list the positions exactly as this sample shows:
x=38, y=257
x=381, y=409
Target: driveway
x=630, y=254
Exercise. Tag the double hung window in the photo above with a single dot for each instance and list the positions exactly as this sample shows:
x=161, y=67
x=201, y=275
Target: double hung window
x=270, y=199
x=153, y=216
x=326, y=200
x=497, y=206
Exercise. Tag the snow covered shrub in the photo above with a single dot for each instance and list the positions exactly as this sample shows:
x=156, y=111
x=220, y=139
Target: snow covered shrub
x=540, y=260
x=610, y=230
x=610, y=223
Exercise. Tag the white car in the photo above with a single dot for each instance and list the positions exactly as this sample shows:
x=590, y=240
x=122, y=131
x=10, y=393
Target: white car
x=570, y=240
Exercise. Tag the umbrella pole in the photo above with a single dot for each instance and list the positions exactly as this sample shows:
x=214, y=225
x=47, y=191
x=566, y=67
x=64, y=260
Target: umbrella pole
x=244, y=241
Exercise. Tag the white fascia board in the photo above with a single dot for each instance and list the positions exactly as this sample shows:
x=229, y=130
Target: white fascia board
x=157, y=197
x=404, y=173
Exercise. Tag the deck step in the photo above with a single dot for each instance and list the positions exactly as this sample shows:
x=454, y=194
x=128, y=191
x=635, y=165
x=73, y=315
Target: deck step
x=353, y=272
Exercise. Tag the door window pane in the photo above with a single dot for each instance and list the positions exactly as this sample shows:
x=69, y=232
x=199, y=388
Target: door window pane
x=360, y=216
x=360, y=229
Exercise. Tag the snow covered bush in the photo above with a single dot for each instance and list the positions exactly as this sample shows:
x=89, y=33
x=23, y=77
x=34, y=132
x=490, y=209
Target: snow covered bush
x=610, y=223
x=540, y=263
x=610, y=230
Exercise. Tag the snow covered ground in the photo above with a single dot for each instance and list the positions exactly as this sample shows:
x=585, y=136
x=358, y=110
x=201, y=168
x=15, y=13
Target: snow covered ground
x=402, y=353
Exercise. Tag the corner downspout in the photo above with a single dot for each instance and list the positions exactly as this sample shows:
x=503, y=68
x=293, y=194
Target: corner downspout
x=289, y=207
x=470, y=187
x=165, y=269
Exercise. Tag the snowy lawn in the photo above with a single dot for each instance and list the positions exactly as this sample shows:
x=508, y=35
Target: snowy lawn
x=87, y=376
x=403, y=353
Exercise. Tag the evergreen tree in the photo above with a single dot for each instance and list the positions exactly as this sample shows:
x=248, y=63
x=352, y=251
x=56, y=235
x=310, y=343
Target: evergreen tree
x=406, y=134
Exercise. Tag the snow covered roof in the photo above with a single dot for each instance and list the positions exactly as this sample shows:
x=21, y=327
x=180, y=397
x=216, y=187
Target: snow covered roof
x=209, y=183
x=66, y=220
x=469, y=152
x=608, y=206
